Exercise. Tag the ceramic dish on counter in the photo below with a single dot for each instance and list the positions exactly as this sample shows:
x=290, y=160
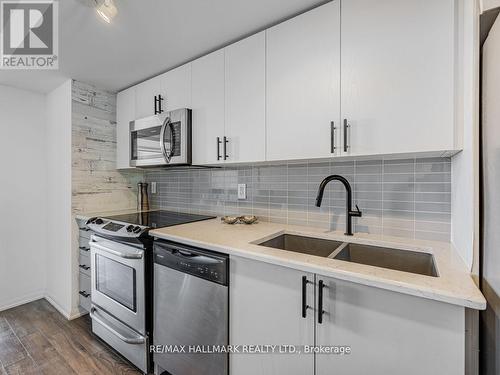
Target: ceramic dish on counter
x=246, y=219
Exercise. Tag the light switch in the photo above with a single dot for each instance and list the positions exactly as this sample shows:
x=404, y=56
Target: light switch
x=153, y=187
x=242, y=191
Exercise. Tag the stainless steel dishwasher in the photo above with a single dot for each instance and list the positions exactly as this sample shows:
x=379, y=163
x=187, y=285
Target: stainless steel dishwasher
x=191, y=312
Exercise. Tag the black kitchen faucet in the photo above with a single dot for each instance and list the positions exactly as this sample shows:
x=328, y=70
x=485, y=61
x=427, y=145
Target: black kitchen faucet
x=349, y=212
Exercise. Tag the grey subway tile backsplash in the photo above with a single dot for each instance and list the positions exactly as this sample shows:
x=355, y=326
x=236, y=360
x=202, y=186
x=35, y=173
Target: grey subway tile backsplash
x=408, y=198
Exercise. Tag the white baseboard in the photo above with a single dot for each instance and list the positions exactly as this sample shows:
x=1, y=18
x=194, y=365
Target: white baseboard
x=58, y=307
x=40, y=295
x=22, y=300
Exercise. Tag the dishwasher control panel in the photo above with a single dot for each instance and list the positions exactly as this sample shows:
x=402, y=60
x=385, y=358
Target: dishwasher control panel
x=205, y=264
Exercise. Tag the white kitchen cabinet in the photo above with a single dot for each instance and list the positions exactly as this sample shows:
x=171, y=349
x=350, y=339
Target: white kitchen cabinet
x=266, y=309
x=303, y=85
x=146, y=92
x=208, y=109
x=398, y=75
x=175, y=88
x=388, y=332
x=125, y=112
x=245, y=99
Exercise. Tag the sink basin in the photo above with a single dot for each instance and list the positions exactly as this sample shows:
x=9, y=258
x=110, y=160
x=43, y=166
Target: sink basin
x=301, y=244
x=394, y=259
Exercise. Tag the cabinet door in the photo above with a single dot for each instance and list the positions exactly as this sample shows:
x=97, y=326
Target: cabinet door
x=125, y=112
x=266, y=309
x=145, y=97
x=245, y=99
x=208, y=108
x=303, y=85
x=388, y=332
x=397, y=75
x=176, y=88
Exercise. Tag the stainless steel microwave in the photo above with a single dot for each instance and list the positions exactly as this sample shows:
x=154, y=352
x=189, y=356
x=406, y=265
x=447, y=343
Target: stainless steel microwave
x=161, y=140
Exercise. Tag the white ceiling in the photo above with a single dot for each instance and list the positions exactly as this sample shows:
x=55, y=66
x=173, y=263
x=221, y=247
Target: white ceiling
x=148, y=37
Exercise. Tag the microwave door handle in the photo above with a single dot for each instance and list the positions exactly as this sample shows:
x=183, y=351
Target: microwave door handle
x=167, y=154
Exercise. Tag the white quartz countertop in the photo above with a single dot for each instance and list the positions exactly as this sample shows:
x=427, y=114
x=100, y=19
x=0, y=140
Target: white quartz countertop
x=454, y=284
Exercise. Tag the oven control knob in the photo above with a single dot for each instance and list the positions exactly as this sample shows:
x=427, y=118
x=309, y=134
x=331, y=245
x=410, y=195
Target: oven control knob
x=98, y=221
x=130, y=228
x=137, y=229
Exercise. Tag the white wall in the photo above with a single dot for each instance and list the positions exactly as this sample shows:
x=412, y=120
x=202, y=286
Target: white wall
x=465, y=165
x=491, y=214
x=59, y=262
x=23, y=204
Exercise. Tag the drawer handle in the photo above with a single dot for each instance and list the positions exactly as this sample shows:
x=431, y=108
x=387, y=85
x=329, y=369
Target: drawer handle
x=83, y=266
x=137, y=340
x=84, y=293
x=84, y=248
x=85, y=229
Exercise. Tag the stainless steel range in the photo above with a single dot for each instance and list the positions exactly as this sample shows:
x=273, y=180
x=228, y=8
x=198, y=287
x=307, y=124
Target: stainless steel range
x=122, y=279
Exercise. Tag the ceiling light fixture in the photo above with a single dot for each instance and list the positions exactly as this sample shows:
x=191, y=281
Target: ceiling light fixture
x=106, y=10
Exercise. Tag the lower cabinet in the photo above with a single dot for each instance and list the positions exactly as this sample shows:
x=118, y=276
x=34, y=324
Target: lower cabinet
x=388, y=332
x=379, y=331
x=266, y=309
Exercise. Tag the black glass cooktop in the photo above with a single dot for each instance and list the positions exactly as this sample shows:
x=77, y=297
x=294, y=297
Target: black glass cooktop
x=158, y=219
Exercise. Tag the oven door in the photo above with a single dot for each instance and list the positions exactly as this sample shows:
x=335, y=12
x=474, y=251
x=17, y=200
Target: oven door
x=118, y=281
x=161, y=139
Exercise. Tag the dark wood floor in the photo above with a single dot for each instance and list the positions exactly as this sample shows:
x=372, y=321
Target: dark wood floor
x=36, y=339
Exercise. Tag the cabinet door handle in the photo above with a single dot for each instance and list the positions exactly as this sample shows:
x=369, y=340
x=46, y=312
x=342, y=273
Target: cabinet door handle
x=83, y=266
x=218, y=148
x=305, y=306
x=160, y=99
x=226, y=141
x=156, y=105
x=346, y=126
x=332, y=137
x=84, y=294
x=321, y=285
x=84, y=248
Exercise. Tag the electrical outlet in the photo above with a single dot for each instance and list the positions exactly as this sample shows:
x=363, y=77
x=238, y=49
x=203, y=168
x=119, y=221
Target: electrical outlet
x=153, y=187
x=242, y=191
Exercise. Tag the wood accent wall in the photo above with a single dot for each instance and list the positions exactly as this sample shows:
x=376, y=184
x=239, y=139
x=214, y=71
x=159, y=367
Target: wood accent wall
x=96, y=184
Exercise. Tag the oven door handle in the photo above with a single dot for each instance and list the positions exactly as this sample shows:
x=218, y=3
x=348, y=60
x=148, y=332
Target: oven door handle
x=128, y=340
x=115, y=252
x=167, y=154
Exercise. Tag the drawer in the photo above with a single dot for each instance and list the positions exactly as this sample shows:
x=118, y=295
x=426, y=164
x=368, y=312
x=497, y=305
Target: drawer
x=84, y=292
x=84, y=264
x=85, y=233
x=83, y=243
x=85, y=251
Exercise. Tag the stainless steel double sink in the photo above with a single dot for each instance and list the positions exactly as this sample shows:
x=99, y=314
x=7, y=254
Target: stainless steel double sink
x=396, y=259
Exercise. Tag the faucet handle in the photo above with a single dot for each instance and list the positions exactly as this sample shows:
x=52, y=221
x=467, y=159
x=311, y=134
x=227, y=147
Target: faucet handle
x=356, y=213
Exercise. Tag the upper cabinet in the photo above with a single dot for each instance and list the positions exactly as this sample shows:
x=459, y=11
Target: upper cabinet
x=175, y=88
x=245, y=100
x=398, y=76
x=208, y=109
x=368, y=78
x=147, y=101
x=303, y=85
x=125, y=112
